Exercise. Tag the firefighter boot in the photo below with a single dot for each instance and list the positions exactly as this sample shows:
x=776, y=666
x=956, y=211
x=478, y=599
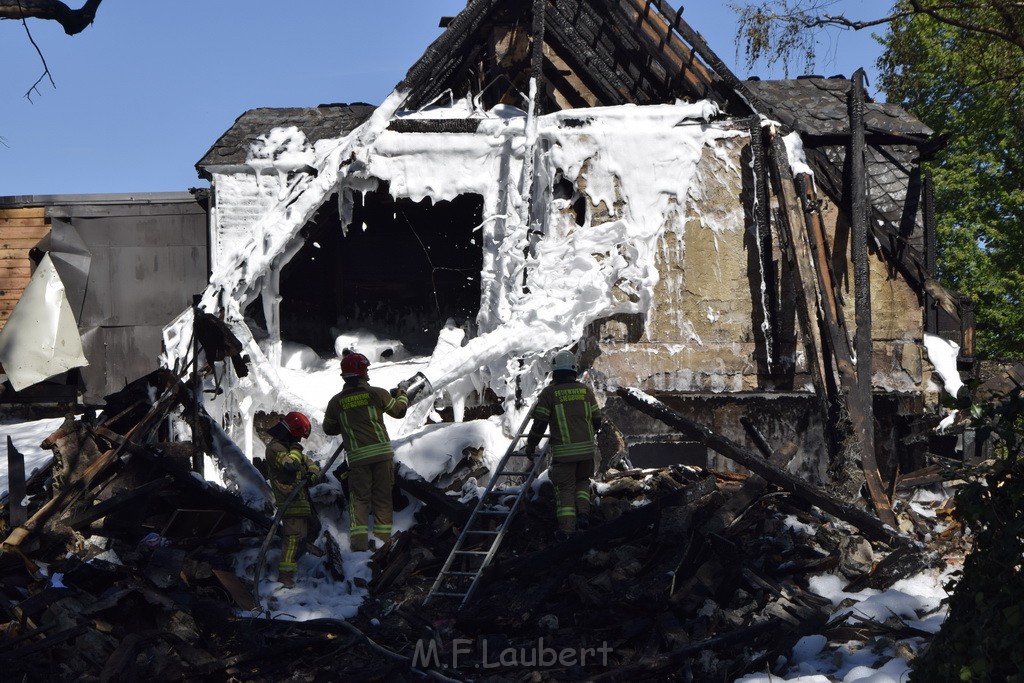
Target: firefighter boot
x=287, y=579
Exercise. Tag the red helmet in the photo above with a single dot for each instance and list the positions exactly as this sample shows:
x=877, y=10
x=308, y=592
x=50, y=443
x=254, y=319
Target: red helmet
x=298, y=425
x=354, y=365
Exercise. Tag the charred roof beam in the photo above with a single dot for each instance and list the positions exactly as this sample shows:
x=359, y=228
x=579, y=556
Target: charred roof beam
x=586, y=62
x=657, y=35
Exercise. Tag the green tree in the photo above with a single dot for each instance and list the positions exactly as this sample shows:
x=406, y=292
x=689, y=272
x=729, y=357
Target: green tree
x=969, y=88
x=959, y=66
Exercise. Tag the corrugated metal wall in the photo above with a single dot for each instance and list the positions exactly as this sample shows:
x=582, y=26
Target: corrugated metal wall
x=129, y=264
x=20, y=230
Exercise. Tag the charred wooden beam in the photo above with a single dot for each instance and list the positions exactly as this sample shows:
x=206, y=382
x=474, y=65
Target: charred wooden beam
x=659, y=39
x=744, y=96
x=797, y=250
x=762, y=226
x=434, y=498
x=931, y=321
x=434, y=126
x=586, y=62
x=450, y=43
x=863, y=418
x=537, y=52
x=67, y=496
x=868, y=524
x=17, y=511
x=118, y=501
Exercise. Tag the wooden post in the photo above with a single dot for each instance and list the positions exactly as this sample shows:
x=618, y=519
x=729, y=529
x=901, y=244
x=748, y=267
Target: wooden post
x=865, y=426
x=197, y=389
x=798, y=251
x=931, y=313
x=17, y=510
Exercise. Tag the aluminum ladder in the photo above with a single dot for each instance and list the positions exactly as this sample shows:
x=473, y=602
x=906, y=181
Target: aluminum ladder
x=478, y=543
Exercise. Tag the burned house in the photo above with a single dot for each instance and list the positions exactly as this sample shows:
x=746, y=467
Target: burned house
x=757, y=254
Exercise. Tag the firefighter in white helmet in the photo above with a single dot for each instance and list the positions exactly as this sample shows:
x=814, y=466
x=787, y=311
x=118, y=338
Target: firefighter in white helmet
x=570, y=408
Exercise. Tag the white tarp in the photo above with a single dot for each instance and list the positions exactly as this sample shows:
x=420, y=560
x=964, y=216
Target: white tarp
x=41, y=337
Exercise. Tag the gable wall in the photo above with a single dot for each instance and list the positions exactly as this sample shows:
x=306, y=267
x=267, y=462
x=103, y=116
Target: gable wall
x=238, y=202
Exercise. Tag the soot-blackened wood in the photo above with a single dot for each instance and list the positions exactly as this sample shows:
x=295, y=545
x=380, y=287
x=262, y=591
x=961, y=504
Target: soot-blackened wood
x=655, y=35
x=797, y=252
x=629, y=523
x=863, y=418
x=868, y=524
x=741, y=95
x=435, y=498
x=118, y=501
x=17, y=511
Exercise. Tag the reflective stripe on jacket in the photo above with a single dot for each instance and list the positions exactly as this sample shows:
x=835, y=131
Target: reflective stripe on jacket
x=570, y=411
x=357, y=413
x=289, y=467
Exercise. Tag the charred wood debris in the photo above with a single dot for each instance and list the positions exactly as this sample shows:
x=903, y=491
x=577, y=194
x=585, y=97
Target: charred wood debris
x=685, y=574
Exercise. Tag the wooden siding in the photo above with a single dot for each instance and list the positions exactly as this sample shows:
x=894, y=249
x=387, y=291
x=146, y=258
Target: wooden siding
x=20, y=230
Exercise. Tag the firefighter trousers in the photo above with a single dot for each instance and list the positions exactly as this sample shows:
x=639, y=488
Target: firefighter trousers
x=572, y=490
x=369, y=488
x=294, y=531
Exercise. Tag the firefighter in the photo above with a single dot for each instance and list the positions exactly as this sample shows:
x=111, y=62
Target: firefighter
x=571, y=410
x=357, y=413
x=289, y=467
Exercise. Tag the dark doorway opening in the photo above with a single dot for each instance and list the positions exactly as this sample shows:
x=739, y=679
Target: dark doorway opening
x=400, y=270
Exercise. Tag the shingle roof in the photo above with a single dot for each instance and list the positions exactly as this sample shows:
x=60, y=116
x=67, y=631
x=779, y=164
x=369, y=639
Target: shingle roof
x=317, y=123
x=818, y=106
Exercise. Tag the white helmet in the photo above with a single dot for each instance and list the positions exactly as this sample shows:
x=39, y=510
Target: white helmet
x=564, y=360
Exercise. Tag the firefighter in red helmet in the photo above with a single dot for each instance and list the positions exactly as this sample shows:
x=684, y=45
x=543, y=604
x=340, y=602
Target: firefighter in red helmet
x=288, y=467
x=357, y=414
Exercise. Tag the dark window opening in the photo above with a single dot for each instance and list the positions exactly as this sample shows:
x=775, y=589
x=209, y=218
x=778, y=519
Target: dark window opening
x=401, y=271
x=663, y=454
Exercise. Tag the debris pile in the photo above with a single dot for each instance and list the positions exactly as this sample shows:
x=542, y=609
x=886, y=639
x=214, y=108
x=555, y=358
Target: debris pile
x=121, y=568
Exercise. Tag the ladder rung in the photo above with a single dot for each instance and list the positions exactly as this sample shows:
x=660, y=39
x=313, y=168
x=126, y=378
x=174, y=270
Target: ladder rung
x=452, y=595
x=482, y=531
x=462, y=573
x=469, y=552
x=492, y=512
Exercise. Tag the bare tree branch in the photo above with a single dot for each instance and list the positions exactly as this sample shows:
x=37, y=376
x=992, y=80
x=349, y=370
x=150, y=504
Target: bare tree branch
x=46, y=68
x=775, y=29
x=72, y=20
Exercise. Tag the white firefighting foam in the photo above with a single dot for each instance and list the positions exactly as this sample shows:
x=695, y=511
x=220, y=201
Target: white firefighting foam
x=637, y=164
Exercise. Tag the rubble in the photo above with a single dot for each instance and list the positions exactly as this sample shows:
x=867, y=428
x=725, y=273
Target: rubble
x=122, y=570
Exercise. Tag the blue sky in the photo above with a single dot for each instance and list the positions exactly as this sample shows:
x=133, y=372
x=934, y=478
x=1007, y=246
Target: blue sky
x=144, y=92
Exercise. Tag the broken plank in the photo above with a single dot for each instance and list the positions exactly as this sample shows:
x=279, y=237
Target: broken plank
x=238, y=592
x=113, y=503
x=868, y=524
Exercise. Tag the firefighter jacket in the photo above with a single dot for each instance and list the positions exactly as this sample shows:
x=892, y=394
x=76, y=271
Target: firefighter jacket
x=290, y=467
x=574, y=417
x=357, y=413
